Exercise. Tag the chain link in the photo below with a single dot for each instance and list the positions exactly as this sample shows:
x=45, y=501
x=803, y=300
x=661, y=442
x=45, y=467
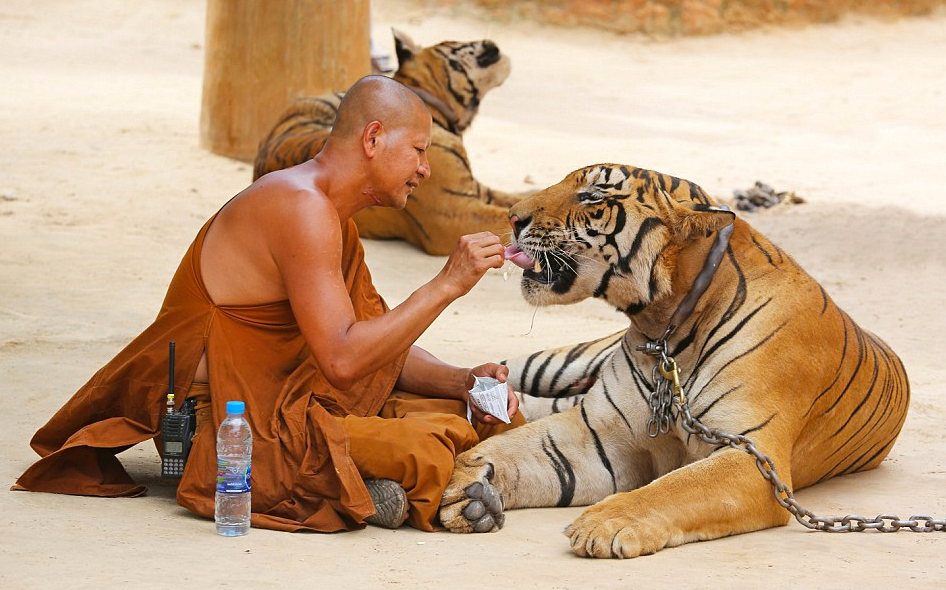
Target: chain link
x=666, y=376
x=660, y=401
x=660, y=406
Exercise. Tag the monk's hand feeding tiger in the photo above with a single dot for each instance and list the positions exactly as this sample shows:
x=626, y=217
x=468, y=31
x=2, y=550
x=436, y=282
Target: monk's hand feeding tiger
x=763, y=352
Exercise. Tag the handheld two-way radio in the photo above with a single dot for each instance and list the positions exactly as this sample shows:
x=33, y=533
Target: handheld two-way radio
x=177, y=428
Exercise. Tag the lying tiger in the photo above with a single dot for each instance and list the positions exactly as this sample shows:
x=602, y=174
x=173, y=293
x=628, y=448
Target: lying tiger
x=763, y=352
x=452, y=78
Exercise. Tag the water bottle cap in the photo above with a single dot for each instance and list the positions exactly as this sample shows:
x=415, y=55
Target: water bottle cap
x=235, y=407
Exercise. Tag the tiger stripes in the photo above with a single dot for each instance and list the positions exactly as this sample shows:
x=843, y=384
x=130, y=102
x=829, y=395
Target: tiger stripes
x=551, y=381
x=765, y=353
x=453, y=78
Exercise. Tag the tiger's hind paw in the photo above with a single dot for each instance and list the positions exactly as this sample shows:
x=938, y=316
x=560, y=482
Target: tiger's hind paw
x=471, y=504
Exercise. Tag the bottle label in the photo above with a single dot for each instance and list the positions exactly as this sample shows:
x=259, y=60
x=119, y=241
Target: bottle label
x=232, y=478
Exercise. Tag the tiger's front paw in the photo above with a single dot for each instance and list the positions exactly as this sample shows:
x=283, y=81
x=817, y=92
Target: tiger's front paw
x=471, y=504
x=614, y=528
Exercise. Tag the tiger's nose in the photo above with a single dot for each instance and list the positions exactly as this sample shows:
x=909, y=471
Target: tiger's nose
x=518, y=224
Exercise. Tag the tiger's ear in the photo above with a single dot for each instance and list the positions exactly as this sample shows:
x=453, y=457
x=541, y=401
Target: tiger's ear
x=700, y=219
x=404, y=47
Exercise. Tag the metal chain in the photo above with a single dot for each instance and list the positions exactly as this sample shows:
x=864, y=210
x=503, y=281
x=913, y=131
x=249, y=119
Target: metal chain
x=667, y=384
x=661, y=400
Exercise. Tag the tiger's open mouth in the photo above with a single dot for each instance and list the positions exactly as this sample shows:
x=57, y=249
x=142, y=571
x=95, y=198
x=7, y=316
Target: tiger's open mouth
x=545, y=267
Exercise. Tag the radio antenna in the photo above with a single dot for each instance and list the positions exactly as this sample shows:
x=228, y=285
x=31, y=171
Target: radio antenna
x=171, y=367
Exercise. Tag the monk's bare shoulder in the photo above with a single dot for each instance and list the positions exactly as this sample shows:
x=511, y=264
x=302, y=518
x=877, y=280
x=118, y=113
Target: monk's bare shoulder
x=277, y=225
x=288, y=204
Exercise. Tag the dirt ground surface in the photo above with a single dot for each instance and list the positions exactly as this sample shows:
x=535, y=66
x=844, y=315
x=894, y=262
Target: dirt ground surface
x=677, y=18
x=103, y=187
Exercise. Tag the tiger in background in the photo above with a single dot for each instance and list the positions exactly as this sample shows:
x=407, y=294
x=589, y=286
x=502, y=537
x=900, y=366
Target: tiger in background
x=763, y=352
x=452, y=78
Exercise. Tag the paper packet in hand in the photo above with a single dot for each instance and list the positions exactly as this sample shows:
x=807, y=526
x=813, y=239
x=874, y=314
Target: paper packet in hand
x=490, y=396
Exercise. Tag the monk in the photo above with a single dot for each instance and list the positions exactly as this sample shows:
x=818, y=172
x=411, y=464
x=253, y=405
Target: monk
x=273, y=305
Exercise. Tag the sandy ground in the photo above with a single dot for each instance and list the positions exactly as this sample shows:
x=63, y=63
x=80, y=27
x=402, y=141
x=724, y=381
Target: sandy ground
x=103, y=186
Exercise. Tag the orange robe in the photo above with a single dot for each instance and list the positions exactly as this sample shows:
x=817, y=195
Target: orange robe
x=304, y=475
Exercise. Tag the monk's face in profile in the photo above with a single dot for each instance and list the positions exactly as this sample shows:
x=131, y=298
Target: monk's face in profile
x=403, y=164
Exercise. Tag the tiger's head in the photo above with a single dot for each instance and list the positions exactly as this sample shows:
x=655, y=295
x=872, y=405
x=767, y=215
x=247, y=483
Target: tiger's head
x=610, y=231
x=455, y=74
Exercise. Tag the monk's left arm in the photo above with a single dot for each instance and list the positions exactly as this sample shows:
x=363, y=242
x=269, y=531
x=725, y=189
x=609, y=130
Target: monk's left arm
x=425, y=374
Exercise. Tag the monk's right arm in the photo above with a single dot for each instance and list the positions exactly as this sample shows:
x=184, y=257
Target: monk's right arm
x=309, y=259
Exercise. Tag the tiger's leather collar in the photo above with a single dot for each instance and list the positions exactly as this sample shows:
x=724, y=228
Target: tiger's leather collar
x=439, y=105
x=703, y=280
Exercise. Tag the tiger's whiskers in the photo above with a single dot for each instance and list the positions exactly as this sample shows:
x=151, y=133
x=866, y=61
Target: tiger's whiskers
x=574, y=255
x=535, y=310
x=564, y=258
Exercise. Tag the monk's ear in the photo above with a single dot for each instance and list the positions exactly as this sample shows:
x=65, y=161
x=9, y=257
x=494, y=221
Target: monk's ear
x=697, y=219
x=372, y=138
x=404, y=47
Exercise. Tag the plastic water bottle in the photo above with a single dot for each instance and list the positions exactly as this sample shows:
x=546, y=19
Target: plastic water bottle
x=234, y=451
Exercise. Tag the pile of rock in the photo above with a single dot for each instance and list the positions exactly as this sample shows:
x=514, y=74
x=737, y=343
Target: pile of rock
x=762, y=195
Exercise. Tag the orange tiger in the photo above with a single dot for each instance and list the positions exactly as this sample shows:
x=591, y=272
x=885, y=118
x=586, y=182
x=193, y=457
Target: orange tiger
x=452, y=78
x=761, y=350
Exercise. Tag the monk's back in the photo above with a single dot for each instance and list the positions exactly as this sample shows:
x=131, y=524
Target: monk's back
x=237, y=263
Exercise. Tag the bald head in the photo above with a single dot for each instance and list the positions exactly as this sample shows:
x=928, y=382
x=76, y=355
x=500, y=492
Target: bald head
x=377, y=98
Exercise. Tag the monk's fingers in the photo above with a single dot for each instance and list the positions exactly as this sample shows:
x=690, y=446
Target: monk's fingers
x=495, y=261
x=479, y=240
x=513, y=403
x=482, y=416
x=491, y=255
x=483, y=237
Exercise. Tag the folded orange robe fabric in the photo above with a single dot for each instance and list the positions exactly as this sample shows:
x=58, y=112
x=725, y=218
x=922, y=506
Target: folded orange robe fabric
x=303, y=475
x=414, y=441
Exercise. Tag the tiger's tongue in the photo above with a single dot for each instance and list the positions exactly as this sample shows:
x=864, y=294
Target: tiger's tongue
x=518, y=257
